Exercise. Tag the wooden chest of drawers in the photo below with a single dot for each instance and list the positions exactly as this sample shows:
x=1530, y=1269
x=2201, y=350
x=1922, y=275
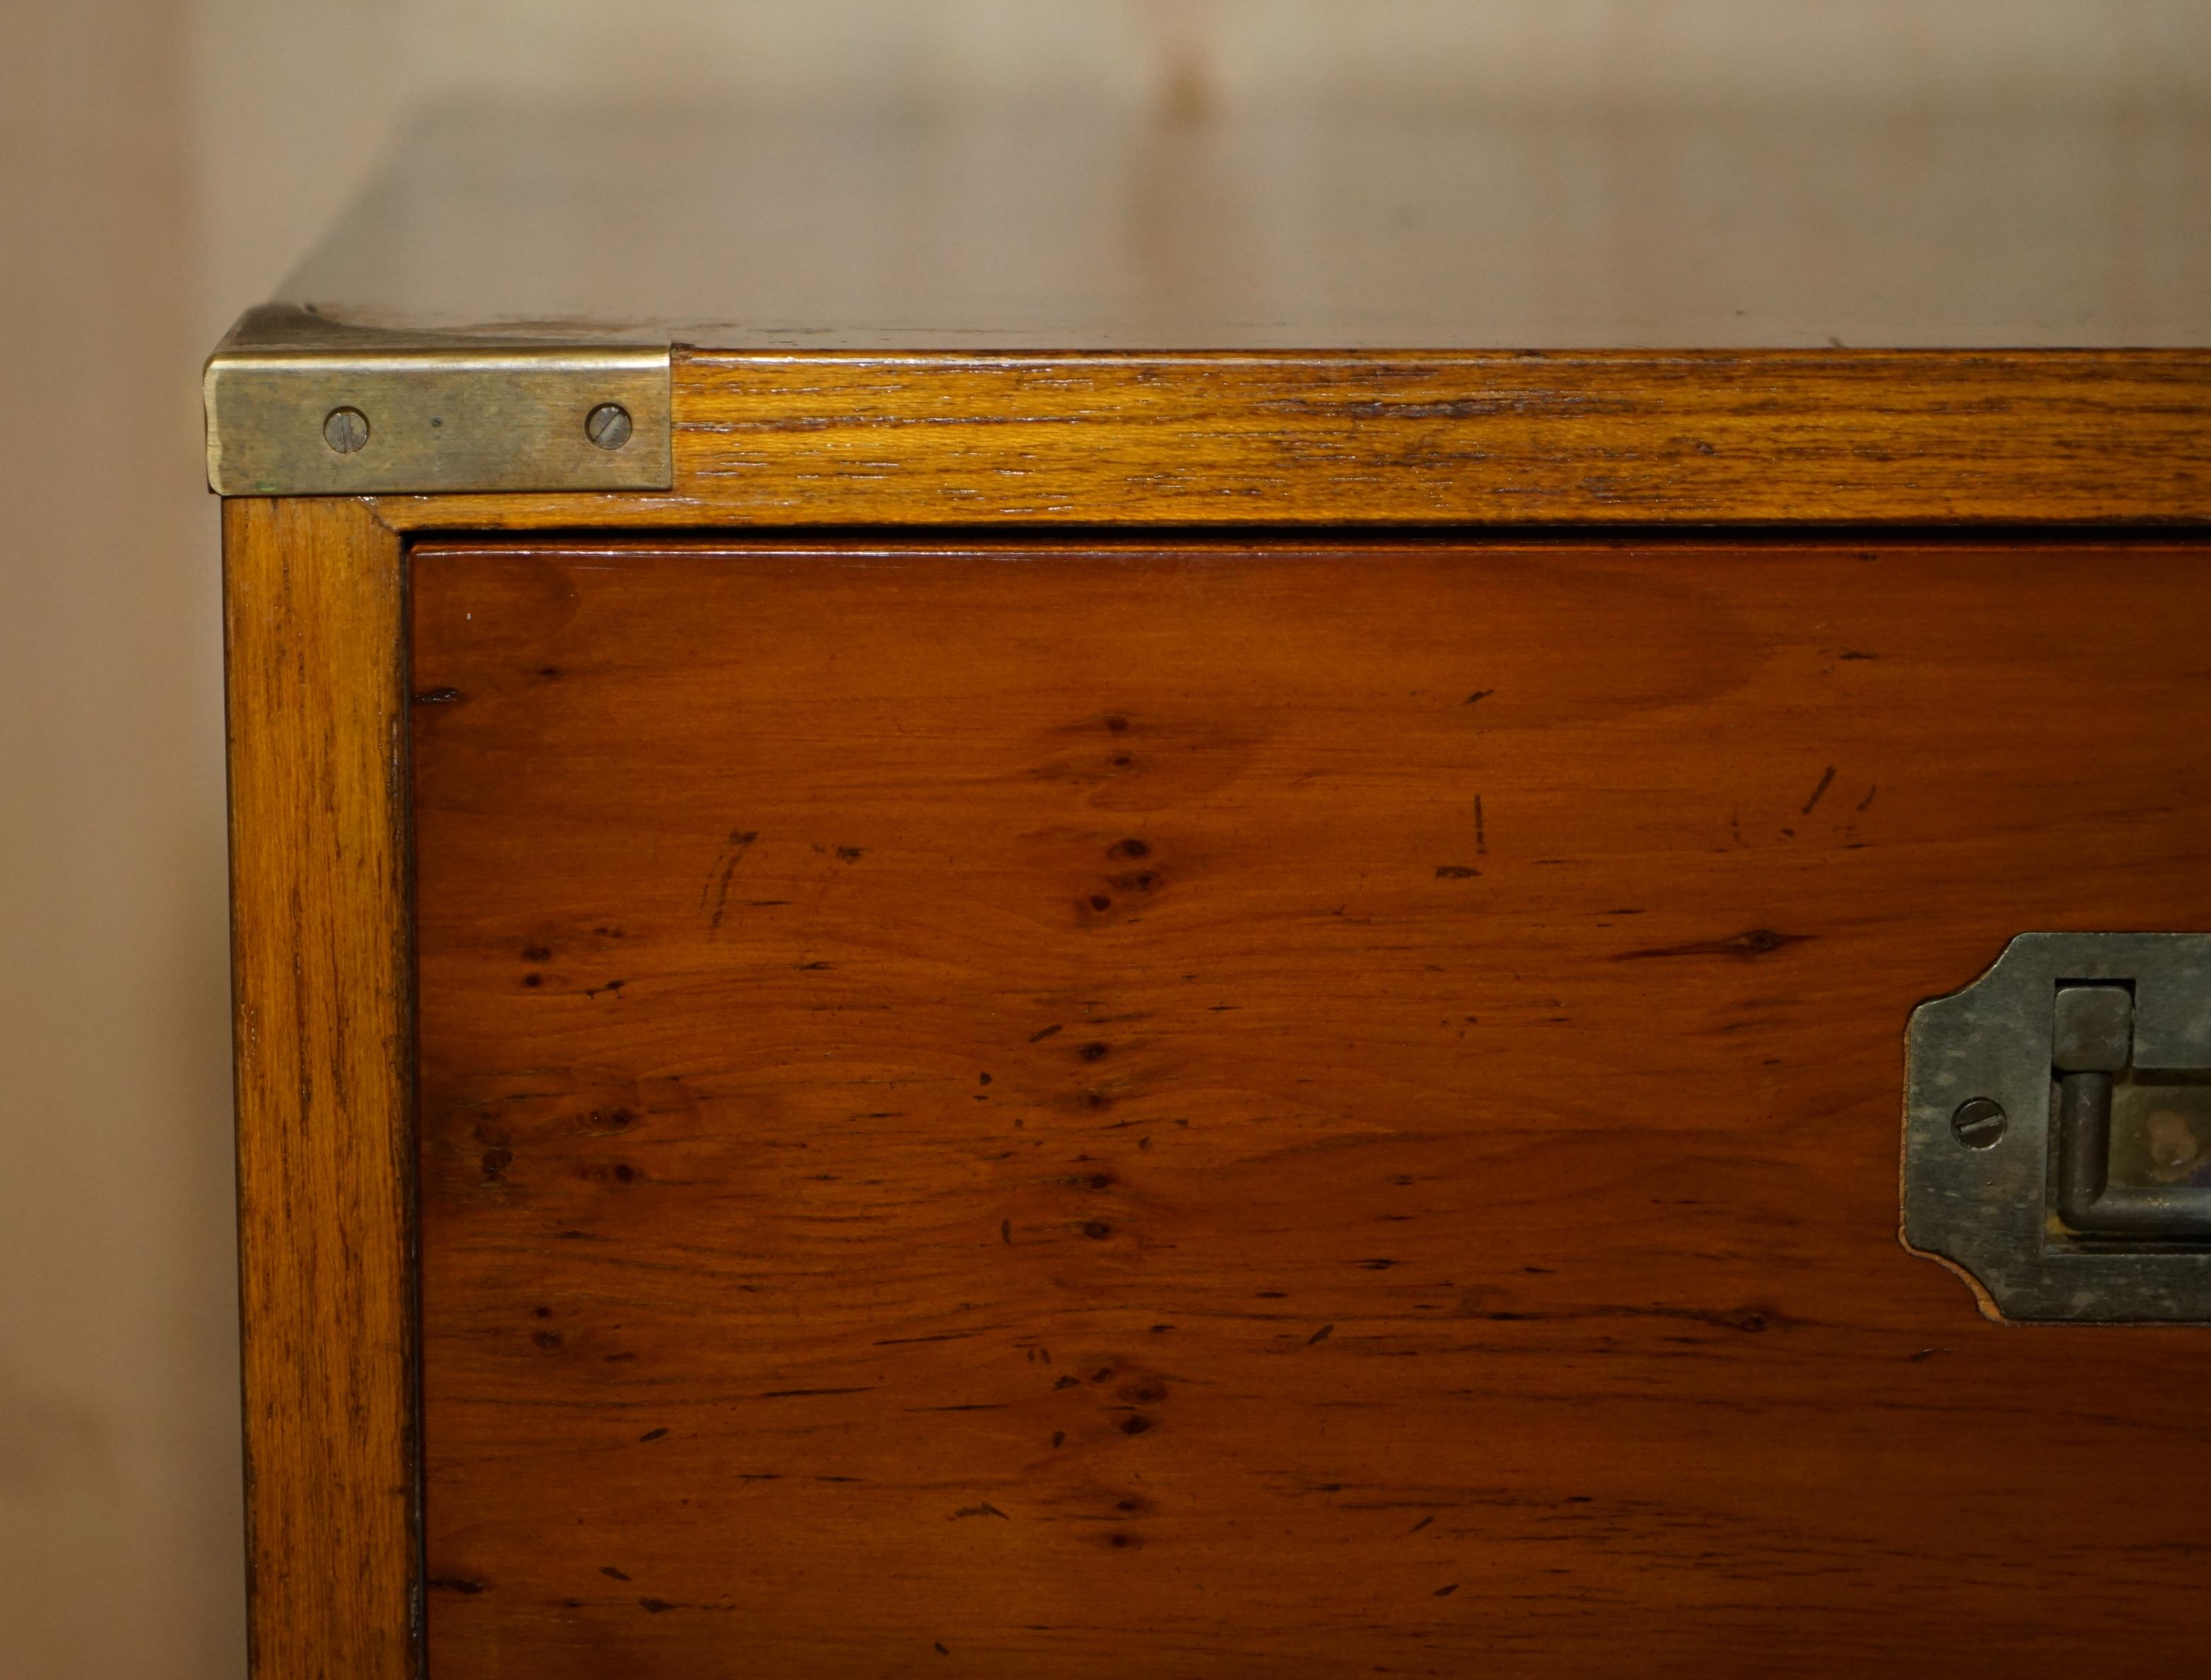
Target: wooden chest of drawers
x=1117, y=944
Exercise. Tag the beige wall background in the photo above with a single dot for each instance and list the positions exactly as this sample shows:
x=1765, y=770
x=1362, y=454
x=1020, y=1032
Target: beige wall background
x=161, y=163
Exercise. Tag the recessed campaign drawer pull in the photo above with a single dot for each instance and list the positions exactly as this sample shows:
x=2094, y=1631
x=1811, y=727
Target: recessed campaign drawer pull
x=2092, y=1051
x=2058, y=1136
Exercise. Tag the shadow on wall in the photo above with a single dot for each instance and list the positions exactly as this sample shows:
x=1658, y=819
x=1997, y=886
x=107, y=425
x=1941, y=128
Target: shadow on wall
x=119, y=1528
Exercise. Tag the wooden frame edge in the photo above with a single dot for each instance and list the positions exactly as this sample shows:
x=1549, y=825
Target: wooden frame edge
x=1464, y=438
x=314, y=618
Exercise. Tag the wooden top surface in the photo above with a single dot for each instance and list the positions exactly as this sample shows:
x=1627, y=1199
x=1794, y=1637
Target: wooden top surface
x=2047, y=223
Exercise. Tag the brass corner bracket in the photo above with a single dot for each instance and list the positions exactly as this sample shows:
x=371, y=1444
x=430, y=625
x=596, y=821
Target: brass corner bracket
x=357, y=414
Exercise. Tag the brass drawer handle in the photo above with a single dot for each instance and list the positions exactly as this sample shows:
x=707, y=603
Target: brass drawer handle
x=2057, y=1129
x=2091, y=1048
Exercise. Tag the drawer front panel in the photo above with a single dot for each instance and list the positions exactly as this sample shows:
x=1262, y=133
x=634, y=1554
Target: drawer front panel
x=1242, y=1111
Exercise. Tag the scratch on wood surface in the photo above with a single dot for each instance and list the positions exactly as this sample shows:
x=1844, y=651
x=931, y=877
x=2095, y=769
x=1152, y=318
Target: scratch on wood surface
x=1759, y=942
x=1820, y=792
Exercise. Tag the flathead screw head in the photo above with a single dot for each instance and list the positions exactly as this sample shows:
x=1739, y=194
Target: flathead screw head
x=608, y=426
x=346, y=430
x=1979, y=1123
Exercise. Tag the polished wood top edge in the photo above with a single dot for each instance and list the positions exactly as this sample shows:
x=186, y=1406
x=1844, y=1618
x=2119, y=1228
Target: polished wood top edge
x=1550, y=441
x=1470, y=442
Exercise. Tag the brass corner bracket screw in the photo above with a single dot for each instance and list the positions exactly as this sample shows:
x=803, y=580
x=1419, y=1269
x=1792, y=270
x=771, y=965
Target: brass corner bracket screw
x=346, y=430
x=1979, y=1124
x=608, y=426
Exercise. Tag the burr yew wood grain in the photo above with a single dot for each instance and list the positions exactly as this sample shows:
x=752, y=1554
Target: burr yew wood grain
x=1228, y=1110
